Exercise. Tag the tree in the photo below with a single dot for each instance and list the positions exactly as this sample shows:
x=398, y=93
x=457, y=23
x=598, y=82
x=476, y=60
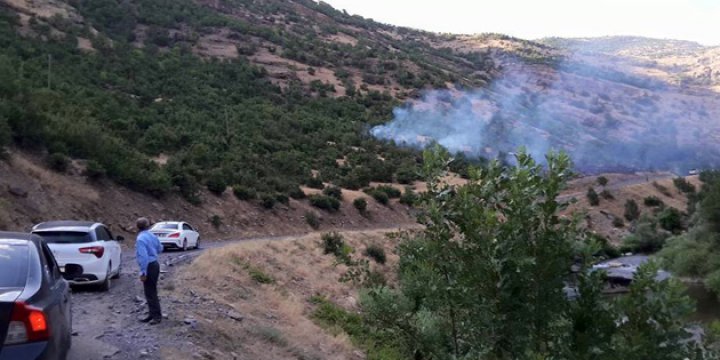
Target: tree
x=486, y=277
x=602, y=181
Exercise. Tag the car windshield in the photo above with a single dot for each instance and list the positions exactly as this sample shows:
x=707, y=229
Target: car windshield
x=171, y=226
x=65, y=237
x=14, y=265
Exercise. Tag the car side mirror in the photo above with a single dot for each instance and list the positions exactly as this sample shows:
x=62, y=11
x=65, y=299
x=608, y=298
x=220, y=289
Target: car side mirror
x=119, y=238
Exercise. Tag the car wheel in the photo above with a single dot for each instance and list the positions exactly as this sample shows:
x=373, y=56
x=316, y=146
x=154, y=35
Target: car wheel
x=197, y=243
x=105, y=286
x=119, y=270
x=184, y=248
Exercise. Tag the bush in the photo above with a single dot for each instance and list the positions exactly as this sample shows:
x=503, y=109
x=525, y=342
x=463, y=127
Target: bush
x=297, y=193
x=390, y=191
x=325, y=202
x=216, y=183
x=315, y=183
x=360, y=204
x=593, y=197
x=646, y=239
x=662, y=189
x=683, y=185
x=408, y=197
x=376, y=252
x=653, y=201
x=333, y=243
x=282, y=198
x=312, y=219
x=244, y=193
x=333, y=191
x=632, y=210
x=216, y=221
x=605, y=194
x=671, y=219
x=618, y=222
x=380, y=197
x=58, y=162
x=94, y=171
x=268, y=201
x=602, y=181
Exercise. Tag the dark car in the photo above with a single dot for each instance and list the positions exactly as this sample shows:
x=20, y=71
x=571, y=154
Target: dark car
x=35, y=317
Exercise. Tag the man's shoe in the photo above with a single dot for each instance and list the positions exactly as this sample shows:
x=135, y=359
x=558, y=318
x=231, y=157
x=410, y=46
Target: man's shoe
x=154, y=321
x=146, y=319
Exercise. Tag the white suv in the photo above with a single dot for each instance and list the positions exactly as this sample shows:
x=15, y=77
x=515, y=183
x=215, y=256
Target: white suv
x=176, y=234
x=86, y=252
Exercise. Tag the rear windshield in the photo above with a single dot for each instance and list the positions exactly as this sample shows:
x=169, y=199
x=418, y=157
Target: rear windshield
x=65, y=237
x=14, y=265
x=165, y=227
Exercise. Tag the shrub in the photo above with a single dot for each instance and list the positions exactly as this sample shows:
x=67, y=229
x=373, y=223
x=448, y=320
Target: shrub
x=593, y=197
x=244, y=193
x=390, y=191
x=409, y=197
x=380, y=197
x=259, y=276
x=315, y=183
x=58, y=162
x=602, y=181
x=360, y=204
x=333, y=191
x=618, y=222
x=653, y=201
x=683, y=185
x=333, y=243
x=216, y=183
x=312, y=219
x=605, y=194
x=325, y=202
x=297, y=193
x=662, y=189
x=94, y=171
x=216, y=221
x=376, y=252
x=268, y=201
x=647, y=238
x=671, y=219
x=632, y=210
x=282, y=198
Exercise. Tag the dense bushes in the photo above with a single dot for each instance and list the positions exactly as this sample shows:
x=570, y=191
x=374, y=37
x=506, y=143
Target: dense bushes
x=244, y=193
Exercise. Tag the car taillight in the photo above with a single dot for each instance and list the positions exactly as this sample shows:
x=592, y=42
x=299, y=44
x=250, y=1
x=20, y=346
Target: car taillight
x=98, y=251
x=174, y=235
x=27, y=324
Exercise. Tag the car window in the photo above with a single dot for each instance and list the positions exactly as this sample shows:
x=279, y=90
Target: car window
x=14, y=265
x=65, y=237
x=102, y=234
x=165, y=227
x=50, y=266
x=187, y=227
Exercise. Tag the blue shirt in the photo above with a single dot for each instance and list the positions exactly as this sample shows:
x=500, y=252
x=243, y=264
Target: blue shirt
x=147, y=249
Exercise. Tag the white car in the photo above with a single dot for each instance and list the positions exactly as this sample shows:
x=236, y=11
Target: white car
x=86, y=252
x=176, y=234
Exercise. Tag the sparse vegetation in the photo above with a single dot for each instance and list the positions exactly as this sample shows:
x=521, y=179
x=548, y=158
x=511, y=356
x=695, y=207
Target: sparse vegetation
x=684, y=186
x=618, y=222
x=216, y=221
x=58, y=162
x=653, y=201
x=259, y=276
x=361, y=205
x=605, y=194
x=602, y=181
x=662, y=189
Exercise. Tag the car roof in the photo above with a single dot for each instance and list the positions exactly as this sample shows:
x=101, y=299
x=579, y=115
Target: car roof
x=16, y=238
x=66, y=226
x=169, y=222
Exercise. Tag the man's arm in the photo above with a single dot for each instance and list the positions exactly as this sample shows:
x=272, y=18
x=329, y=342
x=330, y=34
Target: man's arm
x=142, y=255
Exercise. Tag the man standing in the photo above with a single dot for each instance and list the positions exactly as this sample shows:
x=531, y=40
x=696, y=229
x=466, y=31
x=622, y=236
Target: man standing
x=148, y=249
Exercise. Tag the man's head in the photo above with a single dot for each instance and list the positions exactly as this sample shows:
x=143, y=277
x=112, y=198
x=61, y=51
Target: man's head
x=143, y=224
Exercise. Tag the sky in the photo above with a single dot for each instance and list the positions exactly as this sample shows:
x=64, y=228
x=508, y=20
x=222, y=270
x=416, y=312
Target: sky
x=695, y=20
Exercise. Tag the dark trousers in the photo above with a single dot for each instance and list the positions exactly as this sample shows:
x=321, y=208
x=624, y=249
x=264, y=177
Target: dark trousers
x=151, y=293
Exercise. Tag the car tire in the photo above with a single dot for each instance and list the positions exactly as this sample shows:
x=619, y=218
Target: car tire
x=184, y=246
x=119, y=270
x=197, y=243
x=107, y=284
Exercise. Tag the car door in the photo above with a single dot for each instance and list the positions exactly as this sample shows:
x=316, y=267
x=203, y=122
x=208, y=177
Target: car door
x=190, y=234
x=57, y=303
x=112, y=246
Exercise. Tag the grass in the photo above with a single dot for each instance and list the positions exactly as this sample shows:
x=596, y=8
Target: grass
x=272, y=335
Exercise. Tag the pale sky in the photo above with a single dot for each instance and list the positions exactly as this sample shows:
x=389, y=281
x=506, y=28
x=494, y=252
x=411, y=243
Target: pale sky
x=696, y=20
